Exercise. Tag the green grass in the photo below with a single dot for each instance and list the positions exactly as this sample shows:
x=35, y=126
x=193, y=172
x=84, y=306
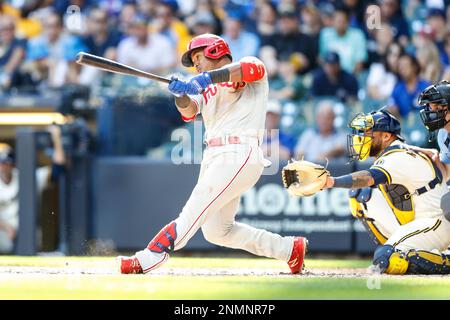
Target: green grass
x=114, y=286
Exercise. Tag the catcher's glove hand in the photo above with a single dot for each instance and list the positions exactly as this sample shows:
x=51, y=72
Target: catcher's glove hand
x=303, y=178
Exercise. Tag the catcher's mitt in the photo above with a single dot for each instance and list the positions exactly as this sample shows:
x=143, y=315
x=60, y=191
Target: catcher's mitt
x=303, y=178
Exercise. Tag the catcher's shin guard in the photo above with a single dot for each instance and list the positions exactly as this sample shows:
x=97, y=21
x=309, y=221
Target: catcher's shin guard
x=164, y=241
x=425, y=262
x=389, y=261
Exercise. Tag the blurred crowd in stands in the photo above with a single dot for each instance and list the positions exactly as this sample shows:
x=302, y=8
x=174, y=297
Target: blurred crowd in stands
x=325, y=59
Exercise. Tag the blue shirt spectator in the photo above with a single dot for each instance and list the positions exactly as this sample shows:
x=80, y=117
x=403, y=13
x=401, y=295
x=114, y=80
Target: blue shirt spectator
x=54, y=53
x=348, y=42
x=333, y=81
x=8, y=42
x=12, y=53
x=445, y=55
x=64, y=48
x=100, y=48
x=99, y=40
x=404, y=96
x=404, y=99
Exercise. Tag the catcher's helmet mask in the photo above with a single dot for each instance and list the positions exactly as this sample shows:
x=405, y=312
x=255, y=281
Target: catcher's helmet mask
x=359, y=141
x=214, y=47
x=437, y=94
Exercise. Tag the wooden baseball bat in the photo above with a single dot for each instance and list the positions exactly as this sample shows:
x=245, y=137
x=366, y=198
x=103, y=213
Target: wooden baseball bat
x=116, y=67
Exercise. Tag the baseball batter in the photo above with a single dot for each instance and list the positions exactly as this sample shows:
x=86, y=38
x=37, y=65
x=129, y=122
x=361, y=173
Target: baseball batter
x=403, y=213
x=232, y=98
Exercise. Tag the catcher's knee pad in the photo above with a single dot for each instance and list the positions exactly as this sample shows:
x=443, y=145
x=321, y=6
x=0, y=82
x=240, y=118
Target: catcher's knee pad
x=164, y=241
x=425, y=262
x=390, y=261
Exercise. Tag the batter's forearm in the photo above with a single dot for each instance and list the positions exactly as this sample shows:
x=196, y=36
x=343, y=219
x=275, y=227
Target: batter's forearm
x=220, y=75
x=356, y=180
x=186, y=106
x=182, y=102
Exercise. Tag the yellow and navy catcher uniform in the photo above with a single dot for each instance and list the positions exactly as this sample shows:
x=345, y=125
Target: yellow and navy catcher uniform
x=402, y=210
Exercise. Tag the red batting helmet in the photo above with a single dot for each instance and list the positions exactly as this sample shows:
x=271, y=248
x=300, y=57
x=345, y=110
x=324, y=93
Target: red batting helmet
x=214, y=48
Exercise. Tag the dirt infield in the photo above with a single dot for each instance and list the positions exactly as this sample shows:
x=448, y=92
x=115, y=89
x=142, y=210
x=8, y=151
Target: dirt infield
x=209, y=278
x=76, y=270
x=192, y=267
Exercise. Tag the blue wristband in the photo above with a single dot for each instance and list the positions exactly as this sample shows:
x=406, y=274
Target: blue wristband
x=343, y=182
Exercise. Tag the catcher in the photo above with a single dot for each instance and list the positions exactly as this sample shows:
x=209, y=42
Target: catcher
x=397, y=198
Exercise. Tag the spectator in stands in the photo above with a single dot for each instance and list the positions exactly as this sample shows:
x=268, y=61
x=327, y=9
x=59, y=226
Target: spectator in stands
x=438, y=27
x=147, y=8
x=206, y=11
x=9, y=187
x=404, y=96
x=357, y=11
x=275, y=138
x=268, y=56
x=100, y=40
x=202, y=22
x=427, y=54
x=38, y=9
x=26, y=27
x=324, y=141
x=445, y=57
x=326, y=10
x=311, y=22
x=51, y=56
x=147, y=51
x=12, y=53
x=288, y=85
x=127, y=14
x=266, y=21
x=333, y=81
x=391, y=12
x=383, y=75
x=290, y=41
x=378, y=43
x=242, y=43
x=167, y=24
x=348, y=42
